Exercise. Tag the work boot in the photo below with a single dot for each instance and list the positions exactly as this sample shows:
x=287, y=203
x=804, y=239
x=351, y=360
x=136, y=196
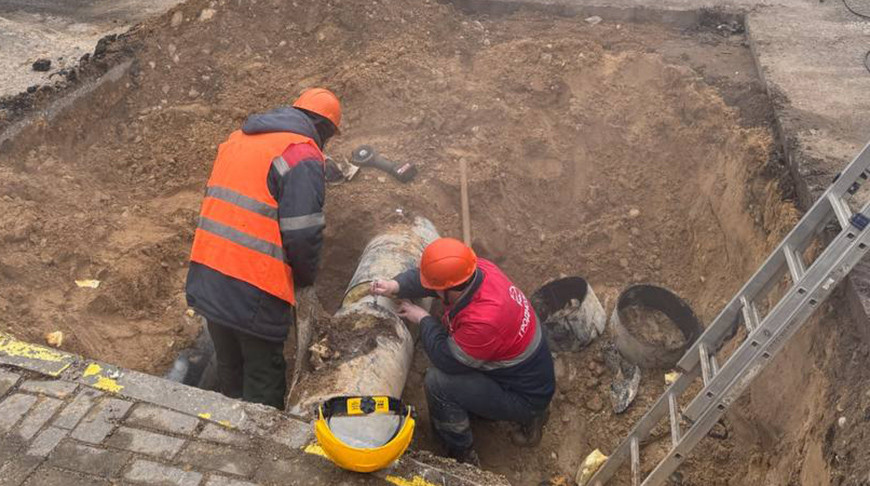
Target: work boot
x=529, y=434
x=465, y=456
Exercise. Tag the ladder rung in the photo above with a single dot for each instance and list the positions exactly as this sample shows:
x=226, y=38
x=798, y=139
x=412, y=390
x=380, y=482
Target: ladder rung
x=841, y=209
x=750, y=314
x=795, y=264
x=706, y=372
x=675, y=419
x=635, y=462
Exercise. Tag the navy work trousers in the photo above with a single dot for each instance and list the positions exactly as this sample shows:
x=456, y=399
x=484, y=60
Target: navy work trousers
x=453, y=398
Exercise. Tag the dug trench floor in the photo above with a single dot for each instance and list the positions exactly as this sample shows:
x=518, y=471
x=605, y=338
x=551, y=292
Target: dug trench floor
x=621, y=153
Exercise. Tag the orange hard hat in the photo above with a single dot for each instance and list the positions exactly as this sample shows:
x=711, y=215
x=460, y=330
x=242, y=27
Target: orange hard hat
x=321, y=101
x=446, y=263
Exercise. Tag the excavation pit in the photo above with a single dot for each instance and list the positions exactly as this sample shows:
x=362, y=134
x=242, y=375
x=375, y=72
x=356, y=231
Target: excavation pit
x=625, y=152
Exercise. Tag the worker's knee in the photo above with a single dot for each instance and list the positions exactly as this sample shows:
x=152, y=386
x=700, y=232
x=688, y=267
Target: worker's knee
x=433, y=380
x=441, y=385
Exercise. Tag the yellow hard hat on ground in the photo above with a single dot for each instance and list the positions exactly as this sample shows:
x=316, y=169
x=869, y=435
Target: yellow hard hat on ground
x=364, y=459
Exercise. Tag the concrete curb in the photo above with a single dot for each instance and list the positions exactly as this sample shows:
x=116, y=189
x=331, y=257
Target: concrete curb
x=227, y=417
x=207, y=405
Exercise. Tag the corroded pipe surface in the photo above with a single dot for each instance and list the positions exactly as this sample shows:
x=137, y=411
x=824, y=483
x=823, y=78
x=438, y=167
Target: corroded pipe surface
x=372, y=346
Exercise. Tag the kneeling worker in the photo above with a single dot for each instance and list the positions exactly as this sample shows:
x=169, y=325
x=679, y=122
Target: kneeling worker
x=489, y=355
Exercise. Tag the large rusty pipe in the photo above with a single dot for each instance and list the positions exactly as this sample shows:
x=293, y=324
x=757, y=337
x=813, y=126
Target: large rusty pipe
x=383, y=369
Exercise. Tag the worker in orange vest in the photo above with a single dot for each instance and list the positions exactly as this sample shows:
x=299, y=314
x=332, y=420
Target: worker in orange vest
x=258, y=239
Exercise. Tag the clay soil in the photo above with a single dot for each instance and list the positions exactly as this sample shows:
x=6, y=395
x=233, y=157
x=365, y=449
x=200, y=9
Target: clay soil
x=620, y=153
x=652, y=326
x=338, y=339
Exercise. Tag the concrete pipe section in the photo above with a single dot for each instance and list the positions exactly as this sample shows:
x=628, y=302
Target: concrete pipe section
x=571, y=313
x=652, y=327
x=373, y=347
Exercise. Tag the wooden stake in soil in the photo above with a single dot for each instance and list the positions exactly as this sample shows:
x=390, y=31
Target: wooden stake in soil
x=466, y=213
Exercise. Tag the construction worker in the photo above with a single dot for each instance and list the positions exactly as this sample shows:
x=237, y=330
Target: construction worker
x=258, y=241
x=490, y=359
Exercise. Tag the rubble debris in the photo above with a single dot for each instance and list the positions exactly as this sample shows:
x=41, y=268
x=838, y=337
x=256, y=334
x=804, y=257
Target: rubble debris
x=653, y=327
x=42, y=65
x=103, y=45
x=571, y=313
x=319, y=353
x=594, y=20
x=730, y=28
x=207, y=14
x=177, y=19
x=589, y=466
x=626, y=379
x=557, y=479
x=594, y=404
x=54, y=339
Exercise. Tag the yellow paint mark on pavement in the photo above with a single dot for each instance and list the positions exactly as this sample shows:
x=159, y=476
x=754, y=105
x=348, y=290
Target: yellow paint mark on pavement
x=108, y=384
x=205, y=415
x=316, y=450
x=415, y=481
x=92, y=370
x=14, y=347
x=227, y=424
x=47, y=360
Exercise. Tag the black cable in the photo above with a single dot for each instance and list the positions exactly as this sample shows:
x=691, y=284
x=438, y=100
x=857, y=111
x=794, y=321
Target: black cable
x=867, y=61
x=849, y=8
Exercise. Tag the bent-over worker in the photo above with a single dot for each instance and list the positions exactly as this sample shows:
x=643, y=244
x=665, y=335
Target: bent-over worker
x=258, y=241
x=489, y=355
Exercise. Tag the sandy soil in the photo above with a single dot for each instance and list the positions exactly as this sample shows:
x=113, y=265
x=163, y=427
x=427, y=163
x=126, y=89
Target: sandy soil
x=652, y=326
x=622, y=153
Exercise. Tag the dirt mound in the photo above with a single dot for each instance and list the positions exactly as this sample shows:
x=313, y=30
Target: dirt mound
x=652, y=327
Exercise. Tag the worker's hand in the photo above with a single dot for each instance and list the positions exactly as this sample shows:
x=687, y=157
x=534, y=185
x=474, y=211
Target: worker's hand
x=388, y=288
x=411, y=312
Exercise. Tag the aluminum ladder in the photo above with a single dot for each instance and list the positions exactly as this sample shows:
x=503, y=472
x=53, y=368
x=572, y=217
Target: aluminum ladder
x=808, y=287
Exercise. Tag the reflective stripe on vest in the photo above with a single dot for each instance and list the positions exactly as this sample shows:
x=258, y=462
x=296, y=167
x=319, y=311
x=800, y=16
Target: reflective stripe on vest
x=239, y=233
x=472, y=362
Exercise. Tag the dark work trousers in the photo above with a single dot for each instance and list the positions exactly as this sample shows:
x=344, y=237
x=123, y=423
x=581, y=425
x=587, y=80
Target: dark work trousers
x=249, y=367
x=453, y=398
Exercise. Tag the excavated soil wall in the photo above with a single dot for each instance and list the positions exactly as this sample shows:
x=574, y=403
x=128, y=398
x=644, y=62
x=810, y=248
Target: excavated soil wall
x=620, y=152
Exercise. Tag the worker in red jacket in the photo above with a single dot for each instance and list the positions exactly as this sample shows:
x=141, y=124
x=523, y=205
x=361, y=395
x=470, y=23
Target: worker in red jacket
x=489, y=355
x=258, y=241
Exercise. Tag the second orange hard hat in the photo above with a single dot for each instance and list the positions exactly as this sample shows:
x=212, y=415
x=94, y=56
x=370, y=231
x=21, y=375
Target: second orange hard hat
x=446, y=263
x=322, y=102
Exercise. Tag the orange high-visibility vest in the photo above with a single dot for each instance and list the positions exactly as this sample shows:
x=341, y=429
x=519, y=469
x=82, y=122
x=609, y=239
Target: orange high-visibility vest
x=238, y=233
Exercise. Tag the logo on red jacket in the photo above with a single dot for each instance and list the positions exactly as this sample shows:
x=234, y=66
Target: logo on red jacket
x=523, y=302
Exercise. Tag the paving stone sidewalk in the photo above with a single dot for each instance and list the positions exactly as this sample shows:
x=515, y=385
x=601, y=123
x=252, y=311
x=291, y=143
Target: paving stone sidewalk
x=68, y=421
